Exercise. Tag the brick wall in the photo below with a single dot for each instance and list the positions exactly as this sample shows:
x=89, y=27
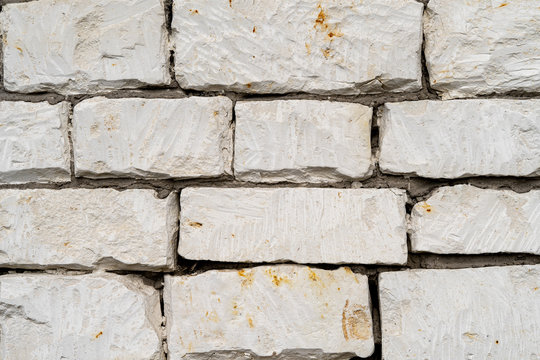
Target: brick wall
x=270, y=179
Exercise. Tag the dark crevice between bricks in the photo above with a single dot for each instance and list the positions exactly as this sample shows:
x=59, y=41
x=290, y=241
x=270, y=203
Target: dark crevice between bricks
x=233, y=135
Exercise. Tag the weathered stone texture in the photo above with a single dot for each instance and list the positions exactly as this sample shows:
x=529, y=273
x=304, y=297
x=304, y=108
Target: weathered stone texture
x=287, y=312
x=81, y=228
x=482, y=46
x=483, y=313
x=83, y=46
x=81, y=317
x=302, y=141
x=34, y=142
x=156, y=138
x=304, y=225
x=467, y=220
x=281, y=46
x=451, y=139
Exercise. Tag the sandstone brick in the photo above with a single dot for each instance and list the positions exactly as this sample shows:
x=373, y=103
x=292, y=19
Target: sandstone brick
x=467, y=220
x=34, y=142
x=155, y=138
x=282, y=46
x=86, y=229
x=482, y=47
x=451, y=139
x=287, y=312
x=84, y=46
x=482, y=313
x=304, y=225
x=302, y=141
x=79, y=317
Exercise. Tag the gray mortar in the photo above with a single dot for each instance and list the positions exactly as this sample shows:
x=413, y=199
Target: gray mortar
x=418, y=188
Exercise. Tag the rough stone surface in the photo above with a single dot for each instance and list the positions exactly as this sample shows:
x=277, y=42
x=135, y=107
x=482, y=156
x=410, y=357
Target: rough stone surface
x=482, y=47
x=157, y=138
x=34, y=143
x=287, y=312
x=302, y=141
x=282, y=46
x=304, y=225
x=82, y=228
x=84, y=317
x=485, y=313
x=451, y=139
x=467, y=220
x=83, y=46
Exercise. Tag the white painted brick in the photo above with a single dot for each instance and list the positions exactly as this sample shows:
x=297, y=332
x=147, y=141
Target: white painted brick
x=79, y=317
x=482, y=47
x=467, y=220
x=34, y=142
x=83, y=228
x=287, y=312
x=84, y=46
x=482, y=313
x=451, y=139
x=304, y=225
x=271, y=46
x=156, y=138
x=302, y=141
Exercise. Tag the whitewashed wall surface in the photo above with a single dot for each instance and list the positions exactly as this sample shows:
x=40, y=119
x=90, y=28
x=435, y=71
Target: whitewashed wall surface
x=270, y=179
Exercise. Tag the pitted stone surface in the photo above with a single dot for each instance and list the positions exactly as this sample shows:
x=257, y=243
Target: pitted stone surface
x=283, y=46
x=467, y=220
x=286, y=312
x=483, y=46
x=34, y=142
x=87, y=228
x=155, y=138
x=302, y=141
x=482, y=313
x=304, y=225
x=79, y=317
x=451, y=139
x=84, y=46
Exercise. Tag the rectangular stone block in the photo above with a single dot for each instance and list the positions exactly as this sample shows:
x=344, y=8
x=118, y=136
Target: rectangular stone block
x=309, y=46
x=34, y=142
x=467, y=220
x=87, y=229
x=482, y=47
x=278, y=312
x=84, y=46
x=482, y=313
x=304, y=225
x=153, y=138
x=302, y=141
x=86, y=317
x=459, y=138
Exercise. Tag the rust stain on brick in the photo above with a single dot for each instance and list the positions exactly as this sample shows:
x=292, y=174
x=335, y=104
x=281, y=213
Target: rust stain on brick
x=247, y=277
x=99, y=334
x=355, y=322
x=277, y=280
x=195, y=224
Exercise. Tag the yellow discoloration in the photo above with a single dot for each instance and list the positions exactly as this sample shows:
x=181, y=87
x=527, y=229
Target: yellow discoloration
x=247, y=277
x=426, y=207
x=312, y=275
x=250, y=322
x=355, y=322
x=195, y=224
x=212, y=316
x=277, y=280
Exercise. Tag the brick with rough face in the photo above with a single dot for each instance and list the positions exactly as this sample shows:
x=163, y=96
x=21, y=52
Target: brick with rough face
x=286, y=312
x=285, y=46
x=153, y=138
x=302, y=141
x=459, y=138
x=481, y=313
x=483, y=46
x=84, y=46
x=304, y=225
x=87, y=229
x=34, y=142
x=79, y=317
x=464, y=219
